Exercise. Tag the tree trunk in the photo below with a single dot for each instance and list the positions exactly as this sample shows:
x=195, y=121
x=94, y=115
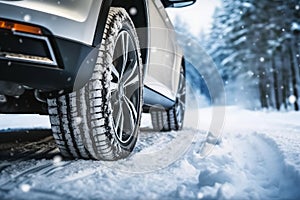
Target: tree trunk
x=285, y=82
x=262, y=88
x=277, y=88
x=295, y=75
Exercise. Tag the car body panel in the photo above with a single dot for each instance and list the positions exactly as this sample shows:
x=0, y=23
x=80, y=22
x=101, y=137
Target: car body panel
x=73, y=26
x=162, y=74
x=80, y=16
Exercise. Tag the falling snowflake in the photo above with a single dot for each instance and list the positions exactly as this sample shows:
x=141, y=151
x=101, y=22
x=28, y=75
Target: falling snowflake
x=27, y=18
x=250, y=73
x=57, y=159
x=292, y=99
x=200, y=195
x=25, y=187
x=133, y=11
x=262, y=59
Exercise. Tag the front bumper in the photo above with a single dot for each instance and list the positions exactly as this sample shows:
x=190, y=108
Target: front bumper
x=68, y=65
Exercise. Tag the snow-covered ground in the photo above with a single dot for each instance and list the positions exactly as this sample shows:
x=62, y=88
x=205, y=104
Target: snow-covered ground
x=258, y=157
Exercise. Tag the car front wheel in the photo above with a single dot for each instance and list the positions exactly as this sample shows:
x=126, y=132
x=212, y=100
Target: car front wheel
x=101, y=121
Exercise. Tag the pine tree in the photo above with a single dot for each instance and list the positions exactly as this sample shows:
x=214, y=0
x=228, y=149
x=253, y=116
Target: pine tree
x=258, y=47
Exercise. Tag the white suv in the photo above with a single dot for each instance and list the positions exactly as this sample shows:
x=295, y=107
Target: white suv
x=94, y=66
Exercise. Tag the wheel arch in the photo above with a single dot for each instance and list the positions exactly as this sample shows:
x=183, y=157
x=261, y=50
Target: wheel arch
x=183, y=63
x=140, y=20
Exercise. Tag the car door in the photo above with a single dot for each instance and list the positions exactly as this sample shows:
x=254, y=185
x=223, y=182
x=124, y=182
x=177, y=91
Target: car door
x=162, y=74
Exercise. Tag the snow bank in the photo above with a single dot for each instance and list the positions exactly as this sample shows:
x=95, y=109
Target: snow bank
x=14, y=121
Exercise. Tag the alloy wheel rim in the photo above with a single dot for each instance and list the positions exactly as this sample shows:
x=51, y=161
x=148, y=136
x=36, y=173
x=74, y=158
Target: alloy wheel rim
x=125, y=88
x=180, y=100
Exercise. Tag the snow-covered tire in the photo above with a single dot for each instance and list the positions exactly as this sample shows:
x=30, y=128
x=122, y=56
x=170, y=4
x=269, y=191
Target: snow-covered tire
x=171, y=119
x=101, y=121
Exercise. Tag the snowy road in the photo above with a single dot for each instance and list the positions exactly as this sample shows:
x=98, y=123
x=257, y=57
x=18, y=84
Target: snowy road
x=257, y=158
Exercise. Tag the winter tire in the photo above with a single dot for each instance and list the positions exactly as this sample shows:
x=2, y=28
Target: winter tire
x=171, y=119
x=101, y=120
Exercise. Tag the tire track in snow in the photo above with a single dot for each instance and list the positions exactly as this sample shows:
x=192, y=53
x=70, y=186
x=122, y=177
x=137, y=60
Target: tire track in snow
x=290, y=172
x=264, y=165
x=150, y=144
x=26, y=150
x=43, y=169
x=154, y=151
x=247, y=167
x=243, y=166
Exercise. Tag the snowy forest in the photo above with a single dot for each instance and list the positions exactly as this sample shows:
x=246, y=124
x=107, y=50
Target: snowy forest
x=256, y=48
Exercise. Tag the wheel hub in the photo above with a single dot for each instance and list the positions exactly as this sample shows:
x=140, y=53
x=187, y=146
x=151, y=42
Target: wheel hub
x=121, y=92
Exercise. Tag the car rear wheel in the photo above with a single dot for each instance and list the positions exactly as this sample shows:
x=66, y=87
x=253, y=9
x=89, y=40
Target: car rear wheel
x=101, y=121
x=173, y=118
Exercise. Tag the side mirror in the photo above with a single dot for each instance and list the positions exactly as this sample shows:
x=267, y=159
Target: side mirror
x=177, y=3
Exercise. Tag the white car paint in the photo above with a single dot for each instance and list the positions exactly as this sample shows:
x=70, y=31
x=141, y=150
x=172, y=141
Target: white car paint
x=77, y=20
x=80, y=16
x=165, y=55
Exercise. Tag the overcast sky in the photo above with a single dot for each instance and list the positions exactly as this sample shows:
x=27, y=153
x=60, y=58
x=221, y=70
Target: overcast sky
x=198, y=16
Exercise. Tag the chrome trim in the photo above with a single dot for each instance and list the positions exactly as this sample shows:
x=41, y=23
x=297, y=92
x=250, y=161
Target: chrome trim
x=31, y=58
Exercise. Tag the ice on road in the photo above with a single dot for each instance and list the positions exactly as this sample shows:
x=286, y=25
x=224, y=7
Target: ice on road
x=256, y=158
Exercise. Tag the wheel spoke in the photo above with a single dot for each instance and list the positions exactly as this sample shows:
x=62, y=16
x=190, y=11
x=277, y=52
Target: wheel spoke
x=115, y=102
x=125, y=44
x=181, y=81
x=180, y=102
x=119, y=116
x=133, y=82
x=132, y=112
x=121, y=126
x=181, y=89
x=181, y=93
x=115, y=72
x=131, y=76
x=114, y=87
